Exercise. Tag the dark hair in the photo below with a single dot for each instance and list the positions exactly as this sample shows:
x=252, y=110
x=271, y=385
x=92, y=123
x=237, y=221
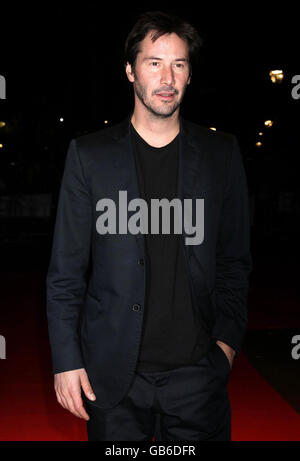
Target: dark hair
x=161, y=23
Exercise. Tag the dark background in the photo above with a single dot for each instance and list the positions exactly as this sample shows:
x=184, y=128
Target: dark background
x=67, y=61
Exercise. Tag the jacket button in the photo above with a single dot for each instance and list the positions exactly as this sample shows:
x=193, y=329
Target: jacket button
x=141, y=261
x=136, y=307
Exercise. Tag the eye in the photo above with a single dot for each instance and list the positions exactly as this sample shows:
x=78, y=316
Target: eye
x=154, y=63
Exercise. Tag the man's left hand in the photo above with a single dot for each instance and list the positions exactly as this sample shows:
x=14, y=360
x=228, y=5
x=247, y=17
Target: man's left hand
x=230, y=353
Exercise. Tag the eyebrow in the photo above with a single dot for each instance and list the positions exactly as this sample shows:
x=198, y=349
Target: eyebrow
x=160, y=59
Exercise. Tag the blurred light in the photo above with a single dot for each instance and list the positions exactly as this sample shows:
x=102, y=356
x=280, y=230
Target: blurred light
x=260, y=133
x=105, y=121
x=269, y=123
x=258, y=144
x=61, y=119
x=1, y=145
x=2, y=124
x=213, y=128
x=276, y=76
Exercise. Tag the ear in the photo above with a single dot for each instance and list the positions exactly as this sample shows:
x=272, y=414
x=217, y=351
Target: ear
x=129, y=73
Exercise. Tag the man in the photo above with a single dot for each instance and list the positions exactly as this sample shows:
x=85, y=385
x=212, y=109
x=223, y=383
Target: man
x=144, y=327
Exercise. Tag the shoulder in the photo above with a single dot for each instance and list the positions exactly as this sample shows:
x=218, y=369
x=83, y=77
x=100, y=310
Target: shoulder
x=98, y=145
x=219, y=147
x=97, y=138
x=211, y=138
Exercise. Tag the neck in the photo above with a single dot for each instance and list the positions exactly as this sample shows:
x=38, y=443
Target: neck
x=156, y=131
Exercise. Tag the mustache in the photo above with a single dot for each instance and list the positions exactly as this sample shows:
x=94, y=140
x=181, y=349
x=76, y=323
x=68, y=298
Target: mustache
x=166, y=90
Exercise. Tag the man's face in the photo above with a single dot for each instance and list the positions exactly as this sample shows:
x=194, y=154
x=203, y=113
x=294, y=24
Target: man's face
x=161, y=73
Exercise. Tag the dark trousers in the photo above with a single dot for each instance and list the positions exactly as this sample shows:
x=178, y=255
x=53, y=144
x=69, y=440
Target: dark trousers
x=186, y=403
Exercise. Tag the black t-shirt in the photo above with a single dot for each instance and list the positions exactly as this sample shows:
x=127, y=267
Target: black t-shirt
x=172, y=336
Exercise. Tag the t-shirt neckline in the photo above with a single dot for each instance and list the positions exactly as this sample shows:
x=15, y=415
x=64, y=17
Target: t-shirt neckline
x=148, y=145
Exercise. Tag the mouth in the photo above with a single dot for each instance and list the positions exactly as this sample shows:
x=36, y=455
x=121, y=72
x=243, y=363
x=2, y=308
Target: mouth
x=166, y=96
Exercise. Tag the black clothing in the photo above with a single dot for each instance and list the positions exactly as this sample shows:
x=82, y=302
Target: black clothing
x=96, y=282
x=190, y=403
x=171, y=335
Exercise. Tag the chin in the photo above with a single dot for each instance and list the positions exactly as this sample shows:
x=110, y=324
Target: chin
x=161, y=113
x=169, y=111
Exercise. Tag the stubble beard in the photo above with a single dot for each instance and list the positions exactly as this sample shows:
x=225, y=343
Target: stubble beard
x=165, y=111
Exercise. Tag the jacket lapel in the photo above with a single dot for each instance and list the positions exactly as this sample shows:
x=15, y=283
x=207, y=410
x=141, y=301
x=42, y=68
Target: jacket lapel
x=189, y=159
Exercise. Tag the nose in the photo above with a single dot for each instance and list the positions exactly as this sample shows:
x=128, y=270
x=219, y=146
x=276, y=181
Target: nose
x=167, y=76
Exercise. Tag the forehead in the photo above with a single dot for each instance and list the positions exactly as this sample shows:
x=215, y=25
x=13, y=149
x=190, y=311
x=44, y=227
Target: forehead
x=166, y=45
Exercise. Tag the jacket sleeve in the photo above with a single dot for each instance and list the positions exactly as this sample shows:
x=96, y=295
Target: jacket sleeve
x=233, y=258
x=66, y=277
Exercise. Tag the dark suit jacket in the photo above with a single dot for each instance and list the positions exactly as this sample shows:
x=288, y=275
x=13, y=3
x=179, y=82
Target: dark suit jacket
x=95, y=284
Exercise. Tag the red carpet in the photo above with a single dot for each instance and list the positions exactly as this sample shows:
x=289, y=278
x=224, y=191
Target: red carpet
x=258, y=412
x=29, y=410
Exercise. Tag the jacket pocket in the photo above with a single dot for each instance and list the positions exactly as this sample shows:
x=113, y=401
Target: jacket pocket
x=224, y=360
